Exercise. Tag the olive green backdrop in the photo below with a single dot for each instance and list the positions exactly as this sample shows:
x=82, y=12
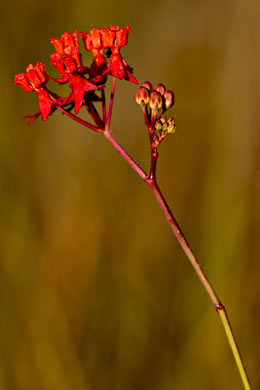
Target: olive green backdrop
x=95, y=293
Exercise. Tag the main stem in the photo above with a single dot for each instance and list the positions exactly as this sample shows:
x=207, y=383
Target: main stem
x=151, y=181
x=184, y=243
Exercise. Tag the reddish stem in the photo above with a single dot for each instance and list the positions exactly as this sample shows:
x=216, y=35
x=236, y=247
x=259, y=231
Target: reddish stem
x=77, y=119
x=184, y=243
x=125, y=155
x=94, y=114
x=104, y=111
x=108, y=121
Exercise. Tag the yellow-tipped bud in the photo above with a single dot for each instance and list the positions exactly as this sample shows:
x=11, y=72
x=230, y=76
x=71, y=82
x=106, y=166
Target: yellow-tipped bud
x=160, y=88
x=169, y=99
x=164, y=126
x=171, y=125
x=158, y=125
x=142, y=96
x=155, y=101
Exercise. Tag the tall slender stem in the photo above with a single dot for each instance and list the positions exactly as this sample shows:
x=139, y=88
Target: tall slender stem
x=151, y=181
x=203, y=278
x=184, y=243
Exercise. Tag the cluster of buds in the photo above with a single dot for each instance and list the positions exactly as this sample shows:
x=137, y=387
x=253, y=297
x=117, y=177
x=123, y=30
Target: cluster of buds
x=154, y=102
x=164, y=125
x=83, y=81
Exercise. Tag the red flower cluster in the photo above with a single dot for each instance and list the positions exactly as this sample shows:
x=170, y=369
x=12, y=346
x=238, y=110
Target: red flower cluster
x=108, y=38
x=105, y=44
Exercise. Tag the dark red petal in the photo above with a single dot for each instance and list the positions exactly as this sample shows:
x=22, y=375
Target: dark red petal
x=120, y=69
x=45, y=104
x=98, y=66
x=131, y=78
x=79, y=86
x=116, y=66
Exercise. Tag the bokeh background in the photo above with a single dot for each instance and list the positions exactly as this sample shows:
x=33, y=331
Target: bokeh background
x=95, y=293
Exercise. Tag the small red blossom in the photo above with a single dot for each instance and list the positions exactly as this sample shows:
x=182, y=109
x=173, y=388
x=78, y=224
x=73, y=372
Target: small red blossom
x=66, y=66
x=93, y=42
x=68, y=45
x=35, y=79
x=119, y=68
x=115, y=38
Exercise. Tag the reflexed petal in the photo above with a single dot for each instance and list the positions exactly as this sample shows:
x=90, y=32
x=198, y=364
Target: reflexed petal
x=45, y=104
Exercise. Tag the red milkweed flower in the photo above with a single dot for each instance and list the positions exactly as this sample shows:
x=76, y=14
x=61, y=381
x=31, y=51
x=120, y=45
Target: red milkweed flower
x=67, y=61
x=35, y=79
x=67, y=58
x=115, y=38
x=93, y=42
x=112, y=38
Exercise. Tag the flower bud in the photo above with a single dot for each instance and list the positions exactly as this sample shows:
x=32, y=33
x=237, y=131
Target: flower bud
x=155, y=101
x=160, y=88
x=142, y=96
x=170, y=121
x=169, y=99
x=147, y=85
x=164, y=126
x=158, y=125
x=164, y=123
x=171, y=125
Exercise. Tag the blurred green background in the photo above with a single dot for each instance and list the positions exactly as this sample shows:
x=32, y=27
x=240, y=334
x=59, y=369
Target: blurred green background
x=95, y=292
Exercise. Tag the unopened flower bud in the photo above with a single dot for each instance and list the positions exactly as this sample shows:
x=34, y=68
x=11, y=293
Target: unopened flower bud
x=171, y=125
x=169, y=99
x=155, y=101
x=158, y=125
x=163, y=123
x=160, y=88
x=171, y=129
x=142, y=96
x=147, y=85
x=170, y=121
x=164, y=126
